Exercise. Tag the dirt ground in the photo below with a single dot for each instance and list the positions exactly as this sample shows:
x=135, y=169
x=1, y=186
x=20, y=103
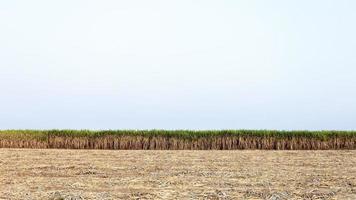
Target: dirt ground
x=104, y=174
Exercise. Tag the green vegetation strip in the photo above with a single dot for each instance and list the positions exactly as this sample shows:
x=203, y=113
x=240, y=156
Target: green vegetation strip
x=175, y=133
x=178, y=139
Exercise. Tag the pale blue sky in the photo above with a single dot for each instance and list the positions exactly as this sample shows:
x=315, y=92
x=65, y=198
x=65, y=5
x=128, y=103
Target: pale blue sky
x=178, y=64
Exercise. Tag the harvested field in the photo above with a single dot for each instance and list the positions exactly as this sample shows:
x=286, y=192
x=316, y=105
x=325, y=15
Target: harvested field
x=107, y=174
x=179, y=139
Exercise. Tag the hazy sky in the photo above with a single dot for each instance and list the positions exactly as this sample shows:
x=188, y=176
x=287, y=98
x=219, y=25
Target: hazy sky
x=178, y=64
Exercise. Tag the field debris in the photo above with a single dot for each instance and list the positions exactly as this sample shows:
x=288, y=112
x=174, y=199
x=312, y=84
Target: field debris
x=107, y=174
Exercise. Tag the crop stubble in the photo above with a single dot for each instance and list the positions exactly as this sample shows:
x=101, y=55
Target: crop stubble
x=108, y=174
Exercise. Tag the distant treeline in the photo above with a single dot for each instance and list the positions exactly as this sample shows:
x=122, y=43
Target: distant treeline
x=179, y=139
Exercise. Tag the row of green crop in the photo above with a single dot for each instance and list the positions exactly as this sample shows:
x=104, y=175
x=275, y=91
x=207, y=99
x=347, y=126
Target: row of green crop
x=44, y=134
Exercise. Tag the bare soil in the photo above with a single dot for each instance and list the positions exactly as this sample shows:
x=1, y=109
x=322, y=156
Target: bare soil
x=108, y=174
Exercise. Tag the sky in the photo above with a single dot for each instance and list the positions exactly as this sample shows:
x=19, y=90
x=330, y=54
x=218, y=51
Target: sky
x=187, y=64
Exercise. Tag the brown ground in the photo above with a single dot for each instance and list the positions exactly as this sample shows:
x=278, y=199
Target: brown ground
x=103, y=174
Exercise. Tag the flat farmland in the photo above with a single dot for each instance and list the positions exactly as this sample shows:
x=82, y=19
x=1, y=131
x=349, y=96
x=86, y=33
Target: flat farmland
x=140, y=174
